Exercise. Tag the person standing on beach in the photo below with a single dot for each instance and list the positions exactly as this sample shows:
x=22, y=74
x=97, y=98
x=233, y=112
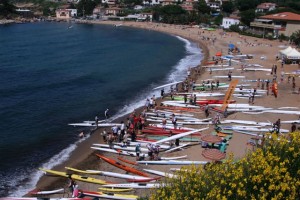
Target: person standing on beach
x=162, y=93
x=106, y=114
x=174, y=121
x=185, y=98
x=71, y=184
x=96, y=121
x=206, y=110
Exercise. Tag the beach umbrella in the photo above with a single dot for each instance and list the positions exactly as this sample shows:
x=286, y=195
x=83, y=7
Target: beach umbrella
x=219, y=54
x=211, y=138
x=213, y=154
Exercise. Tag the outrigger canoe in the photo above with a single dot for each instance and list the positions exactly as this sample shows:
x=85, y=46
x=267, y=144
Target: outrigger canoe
x=121, y=166
x=75, y=176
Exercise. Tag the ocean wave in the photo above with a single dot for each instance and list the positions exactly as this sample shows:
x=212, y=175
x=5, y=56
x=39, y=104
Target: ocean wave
x=18, y=190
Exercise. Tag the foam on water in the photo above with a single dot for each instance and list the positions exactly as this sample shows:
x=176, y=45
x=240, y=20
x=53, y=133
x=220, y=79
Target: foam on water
x=179, y=72
x=21, y=190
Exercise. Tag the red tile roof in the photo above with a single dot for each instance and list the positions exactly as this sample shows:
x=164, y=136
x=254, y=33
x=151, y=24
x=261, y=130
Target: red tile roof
x=286, y=16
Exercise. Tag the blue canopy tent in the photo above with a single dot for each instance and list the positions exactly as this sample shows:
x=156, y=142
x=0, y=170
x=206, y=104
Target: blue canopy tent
x=231, y=46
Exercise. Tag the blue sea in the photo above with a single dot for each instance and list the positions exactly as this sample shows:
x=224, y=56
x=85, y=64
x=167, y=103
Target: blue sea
x=52, y=74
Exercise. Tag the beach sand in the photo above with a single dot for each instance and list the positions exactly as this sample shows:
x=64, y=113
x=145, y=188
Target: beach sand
x=264, y=52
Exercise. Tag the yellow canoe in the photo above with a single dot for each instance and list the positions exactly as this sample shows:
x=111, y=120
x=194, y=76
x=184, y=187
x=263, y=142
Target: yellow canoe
x=75, y=176
x=82, y=171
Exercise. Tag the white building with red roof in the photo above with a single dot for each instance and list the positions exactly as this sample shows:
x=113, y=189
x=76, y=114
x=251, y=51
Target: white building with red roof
x=280, y=23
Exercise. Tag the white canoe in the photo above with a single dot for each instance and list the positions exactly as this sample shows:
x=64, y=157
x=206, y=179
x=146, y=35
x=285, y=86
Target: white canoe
x=227, y=76
x=160, y=173
x=118, y=175
x=175, y=148
x=174, y=137
x=94, y=125
x=134, y=185
x=47, y=192
x=166, y=85
x=171, y=162
x=125, y=153
x=121, y=148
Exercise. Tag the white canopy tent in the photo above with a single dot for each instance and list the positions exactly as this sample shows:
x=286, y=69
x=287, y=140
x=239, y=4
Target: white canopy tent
x=293, y=55
x=290, y=53
x=285, y=51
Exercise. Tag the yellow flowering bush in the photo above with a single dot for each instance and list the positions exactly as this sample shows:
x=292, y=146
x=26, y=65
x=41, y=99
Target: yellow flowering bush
x=269, y=172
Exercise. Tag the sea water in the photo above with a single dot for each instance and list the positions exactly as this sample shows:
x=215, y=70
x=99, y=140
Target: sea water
x=52, y=74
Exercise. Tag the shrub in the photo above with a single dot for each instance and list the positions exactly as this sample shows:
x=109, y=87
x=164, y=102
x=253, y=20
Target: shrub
x=270, y=172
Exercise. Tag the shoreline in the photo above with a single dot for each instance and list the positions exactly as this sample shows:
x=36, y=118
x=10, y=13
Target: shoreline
x=88, y=160
x=77, y=158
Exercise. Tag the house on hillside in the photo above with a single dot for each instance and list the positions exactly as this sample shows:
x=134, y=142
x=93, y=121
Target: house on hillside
x=228, y=21
x=276, y=24
x=63, y=14
x=26, y=13
x=113, y=11
x=73, y=12
x=188, y=5
x=98, y=12
x=110, y=2
x=265, y=7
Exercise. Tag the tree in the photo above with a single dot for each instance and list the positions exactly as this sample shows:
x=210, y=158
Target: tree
x=295, y=38
x=202, y=7
x=86, y=7
x=172, y=14
x=228, y=7
x=244, y=5
x=248, y=16
x=6, y=8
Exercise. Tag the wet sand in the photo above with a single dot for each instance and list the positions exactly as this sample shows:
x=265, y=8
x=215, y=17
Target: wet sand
x=83, y=157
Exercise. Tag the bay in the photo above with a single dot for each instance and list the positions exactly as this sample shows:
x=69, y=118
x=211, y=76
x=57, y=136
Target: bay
x=52, y=75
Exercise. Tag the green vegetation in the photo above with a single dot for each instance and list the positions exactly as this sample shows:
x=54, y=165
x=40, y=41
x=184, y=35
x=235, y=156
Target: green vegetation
x=272, y=171
x=295, y=38
x=6, y=9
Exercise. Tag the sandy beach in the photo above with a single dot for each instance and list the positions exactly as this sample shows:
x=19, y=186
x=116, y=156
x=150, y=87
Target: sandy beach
x=264, y=53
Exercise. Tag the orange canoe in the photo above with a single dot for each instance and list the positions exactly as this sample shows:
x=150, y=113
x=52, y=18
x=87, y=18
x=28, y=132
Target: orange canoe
x=121, y=166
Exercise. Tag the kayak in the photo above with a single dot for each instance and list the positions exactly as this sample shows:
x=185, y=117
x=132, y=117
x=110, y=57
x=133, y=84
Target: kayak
x=120, y=152
x=108, y=195
x=75, y=176
x=143, y=180
x=127, y=161
x=160, y=173
x=134, y=185
x=116, y=190
x=213, y=101
x=117, y=175
x=121, y=166
x=171, y=162
x=39, y=198
x=35, y=192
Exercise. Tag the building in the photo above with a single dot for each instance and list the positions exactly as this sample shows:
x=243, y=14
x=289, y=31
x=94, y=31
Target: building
x=214, y=5
x=228, y=21
x=63, y=14
x=285, y=23
x=25, y=13
x=188, y=5
x=110, y=2
x=73, y=12
x=265, y=7
x=114, y=11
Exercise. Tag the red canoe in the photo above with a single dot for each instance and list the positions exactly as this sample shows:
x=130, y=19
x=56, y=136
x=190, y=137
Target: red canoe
x=121, y=166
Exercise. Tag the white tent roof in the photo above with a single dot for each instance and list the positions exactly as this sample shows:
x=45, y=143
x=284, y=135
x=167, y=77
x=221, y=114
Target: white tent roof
x=285, y=51
x=293, y=54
